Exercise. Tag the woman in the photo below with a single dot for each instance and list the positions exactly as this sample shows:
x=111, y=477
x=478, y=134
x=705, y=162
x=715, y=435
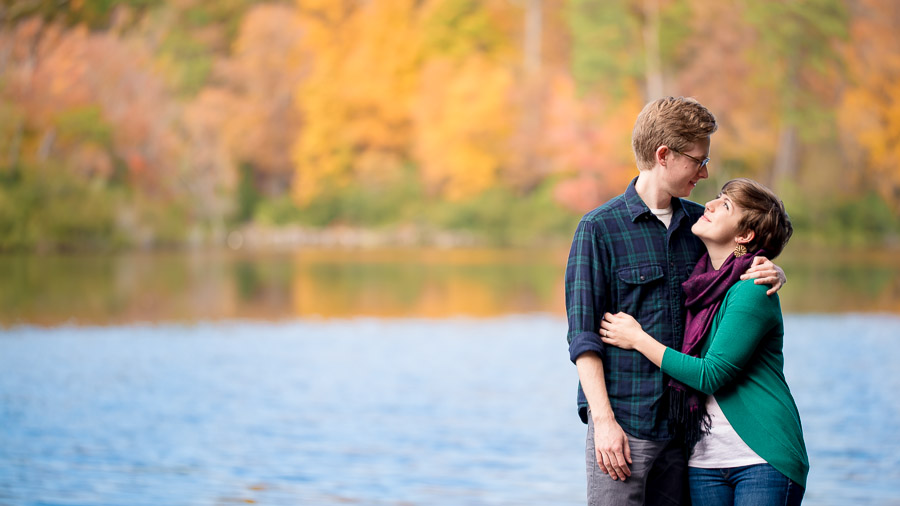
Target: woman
x=728, y=396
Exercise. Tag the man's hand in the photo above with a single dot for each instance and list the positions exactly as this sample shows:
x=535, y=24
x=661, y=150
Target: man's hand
x=611, y=448
x=766, y=273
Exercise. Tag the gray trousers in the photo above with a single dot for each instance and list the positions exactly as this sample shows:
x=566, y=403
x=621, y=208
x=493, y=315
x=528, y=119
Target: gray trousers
x=658, y=475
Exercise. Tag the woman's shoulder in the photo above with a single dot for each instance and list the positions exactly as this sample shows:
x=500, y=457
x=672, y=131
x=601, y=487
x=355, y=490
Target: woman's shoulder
x=747, y=292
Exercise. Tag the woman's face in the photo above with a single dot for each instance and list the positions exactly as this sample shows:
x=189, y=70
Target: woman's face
x=719, y=223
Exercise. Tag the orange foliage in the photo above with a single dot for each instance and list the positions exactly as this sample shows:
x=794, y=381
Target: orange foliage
x=589, y=141
x=52, y=71
x=262, y=74
x=870, y=111
x=249, y=115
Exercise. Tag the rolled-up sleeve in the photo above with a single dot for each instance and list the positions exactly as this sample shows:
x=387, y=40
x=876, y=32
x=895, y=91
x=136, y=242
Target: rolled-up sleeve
x=584, y=292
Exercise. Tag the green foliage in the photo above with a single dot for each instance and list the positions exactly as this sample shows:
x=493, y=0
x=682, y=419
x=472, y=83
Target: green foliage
x=798, y=40
x=48, y=208
x=157, y=223
x=498, y=216
x=277, y=211
x=461, y=28
x=603, y=50
x=12, y=123
x=503, y=218
x=675, y=29
x=356, y=205
x=189, y=62
x=96, y=14
x=840, y=220
x=607, y=43
x=188, y=50
x=45, y=208
x=248, y=196
x=84, y=124
x=364, y=205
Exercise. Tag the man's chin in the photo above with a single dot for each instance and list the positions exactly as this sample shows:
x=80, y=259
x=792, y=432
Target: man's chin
x=690, y=188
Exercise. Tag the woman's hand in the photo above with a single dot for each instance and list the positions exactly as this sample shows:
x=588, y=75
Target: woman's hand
x=621, y=330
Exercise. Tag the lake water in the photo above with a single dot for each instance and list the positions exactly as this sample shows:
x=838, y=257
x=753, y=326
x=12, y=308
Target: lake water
x=430, y=283
x=402, y=377
x=377, y=411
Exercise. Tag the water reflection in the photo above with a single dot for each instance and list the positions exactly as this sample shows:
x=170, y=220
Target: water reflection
x=172, y=286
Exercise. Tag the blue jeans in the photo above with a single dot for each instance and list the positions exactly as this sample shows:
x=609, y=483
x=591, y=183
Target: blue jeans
x=757, y=485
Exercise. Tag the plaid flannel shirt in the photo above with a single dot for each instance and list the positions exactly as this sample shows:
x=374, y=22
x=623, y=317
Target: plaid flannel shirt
x=624, y=259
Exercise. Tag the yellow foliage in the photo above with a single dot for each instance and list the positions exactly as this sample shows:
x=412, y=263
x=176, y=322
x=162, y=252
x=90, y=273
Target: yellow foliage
x=463, y=123
x=357, y=96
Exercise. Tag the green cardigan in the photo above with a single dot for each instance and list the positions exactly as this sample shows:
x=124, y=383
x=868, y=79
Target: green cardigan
x=743, y=365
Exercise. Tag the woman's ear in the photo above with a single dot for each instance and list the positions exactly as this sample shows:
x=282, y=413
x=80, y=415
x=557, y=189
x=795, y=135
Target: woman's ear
x=746, y=237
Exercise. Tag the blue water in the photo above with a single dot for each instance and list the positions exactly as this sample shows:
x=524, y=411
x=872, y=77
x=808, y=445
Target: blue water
x=400, y=412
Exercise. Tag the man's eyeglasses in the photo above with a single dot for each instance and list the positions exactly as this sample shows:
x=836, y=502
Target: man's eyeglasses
x=701, y=162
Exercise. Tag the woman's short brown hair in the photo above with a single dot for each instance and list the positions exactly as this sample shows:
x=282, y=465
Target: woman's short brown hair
x=763, y=213
x=676, y=122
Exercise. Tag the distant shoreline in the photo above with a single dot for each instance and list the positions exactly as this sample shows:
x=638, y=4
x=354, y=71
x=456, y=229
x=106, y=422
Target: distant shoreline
x=256, y=237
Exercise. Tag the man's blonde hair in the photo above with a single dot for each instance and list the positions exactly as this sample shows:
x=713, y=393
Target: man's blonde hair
x=675, y=122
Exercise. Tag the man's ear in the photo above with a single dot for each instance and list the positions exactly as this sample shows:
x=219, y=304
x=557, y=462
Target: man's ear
x=745, y=237
x=661, y=153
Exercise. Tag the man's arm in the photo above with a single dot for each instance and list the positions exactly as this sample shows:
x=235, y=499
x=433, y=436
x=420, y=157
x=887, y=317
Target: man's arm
x=766, y=273
x=610, y=442
x=584, y=303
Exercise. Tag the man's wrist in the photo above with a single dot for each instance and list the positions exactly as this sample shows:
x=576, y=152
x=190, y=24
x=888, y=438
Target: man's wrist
x=605, y=416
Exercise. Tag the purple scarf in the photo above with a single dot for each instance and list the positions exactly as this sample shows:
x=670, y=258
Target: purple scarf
x=705, y=289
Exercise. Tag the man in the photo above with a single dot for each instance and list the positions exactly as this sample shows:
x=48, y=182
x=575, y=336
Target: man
x=631, y=254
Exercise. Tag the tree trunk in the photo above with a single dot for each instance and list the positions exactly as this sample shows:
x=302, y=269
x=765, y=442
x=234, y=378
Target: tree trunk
x=46, y=146
x=16, y=144
x=652, y=60
x=526, y=169
x=531, y=53
x=785, y=166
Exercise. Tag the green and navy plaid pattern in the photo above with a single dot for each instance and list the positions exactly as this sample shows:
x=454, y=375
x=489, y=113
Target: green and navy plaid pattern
x=624, y=259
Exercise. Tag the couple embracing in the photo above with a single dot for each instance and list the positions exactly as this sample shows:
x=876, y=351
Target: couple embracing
x=676, y=330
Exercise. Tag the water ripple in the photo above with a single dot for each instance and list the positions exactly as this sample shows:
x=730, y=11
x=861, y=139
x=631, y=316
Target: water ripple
x=372, y=411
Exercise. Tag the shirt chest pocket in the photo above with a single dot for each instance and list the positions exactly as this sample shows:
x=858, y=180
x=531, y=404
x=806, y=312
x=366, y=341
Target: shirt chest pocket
x=640, y=290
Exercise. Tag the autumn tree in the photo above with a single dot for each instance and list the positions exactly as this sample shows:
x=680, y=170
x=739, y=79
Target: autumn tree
x=355, y=99
x=795, y=68
x=870, y=107
x=618, y=45
x=464, y=113
x=253, y=91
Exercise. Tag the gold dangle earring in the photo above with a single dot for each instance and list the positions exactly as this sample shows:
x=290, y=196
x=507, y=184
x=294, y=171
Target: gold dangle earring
x=740, y=250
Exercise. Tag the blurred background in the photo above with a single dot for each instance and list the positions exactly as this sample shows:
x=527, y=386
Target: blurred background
x=312, y=251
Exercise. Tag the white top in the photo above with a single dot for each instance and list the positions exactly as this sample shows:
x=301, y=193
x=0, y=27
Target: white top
x=722, y=447
x=664, y=215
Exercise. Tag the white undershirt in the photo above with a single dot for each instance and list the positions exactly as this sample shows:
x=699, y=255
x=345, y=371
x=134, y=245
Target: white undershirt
x=664, y=215
x=722, y=447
